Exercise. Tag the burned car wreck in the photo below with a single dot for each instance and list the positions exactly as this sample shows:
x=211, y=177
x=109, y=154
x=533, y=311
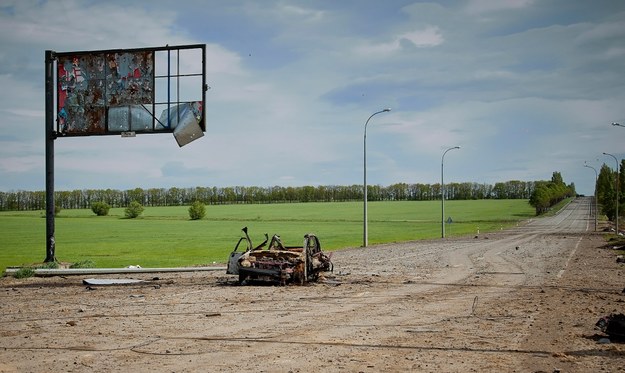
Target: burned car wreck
x=277, y=262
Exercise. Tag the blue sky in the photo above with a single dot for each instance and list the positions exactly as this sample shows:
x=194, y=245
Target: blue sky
x=525, y=87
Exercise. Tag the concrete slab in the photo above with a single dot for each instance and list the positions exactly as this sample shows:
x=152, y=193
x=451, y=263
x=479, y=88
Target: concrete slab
x=40, y=272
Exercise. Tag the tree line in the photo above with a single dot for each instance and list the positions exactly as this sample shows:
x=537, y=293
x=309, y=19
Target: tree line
x=548, y=193
x=83, y=198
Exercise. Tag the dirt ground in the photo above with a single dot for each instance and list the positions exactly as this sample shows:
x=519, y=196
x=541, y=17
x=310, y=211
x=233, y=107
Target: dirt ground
x=520, y=300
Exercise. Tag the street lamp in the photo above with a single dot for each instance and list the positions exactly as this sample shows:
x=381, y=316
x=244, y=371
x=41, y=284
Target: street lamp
x=365, y=238
x=617, y=124
x=443, y=191
x=596, y=177
x=617, y=177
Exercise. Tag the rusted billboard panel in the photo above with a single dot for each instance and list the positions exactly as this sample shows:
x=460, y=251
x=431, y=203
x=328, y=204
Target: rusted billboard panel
x=89, y=84
x=148, y=90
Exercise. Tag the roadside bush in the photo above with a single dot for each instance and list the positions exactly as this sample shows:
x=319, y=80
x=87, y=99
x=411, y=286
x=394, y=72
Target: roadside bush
x=133, y=210
x=100, y=208
x=25, y=272
x=83, y=264
x=48, y=265
x=197, y=210
x=57, y=210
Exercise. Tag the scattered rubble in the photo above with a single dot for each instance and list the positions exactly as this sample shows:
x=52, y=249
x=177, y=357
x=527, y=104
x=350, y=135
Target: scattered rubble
x=613, y=325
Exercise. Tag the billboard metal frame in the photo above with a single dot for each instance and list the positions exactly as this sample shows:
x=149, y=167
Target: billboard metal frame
x=172, y=113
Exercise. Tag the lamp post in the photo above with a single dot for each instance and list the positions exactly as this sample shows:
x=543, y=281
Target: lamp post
x=365, y=234
x=596, y=177
x=443, y=191
x=617, y=177
x=617, y=124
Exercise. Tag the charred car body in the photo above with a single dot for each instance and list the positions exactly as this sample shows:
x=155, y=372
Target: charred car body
x=277, y=262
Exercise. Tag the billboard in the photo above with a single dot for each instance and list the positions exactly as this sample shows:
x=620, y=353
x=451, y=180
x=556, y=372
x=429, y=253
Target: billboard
x=148, y=90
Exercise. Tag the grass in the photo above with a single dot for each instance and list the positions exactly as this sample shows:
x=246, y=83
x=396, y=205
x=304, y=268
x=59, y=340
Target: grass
x=166, y=237
x=29, y=271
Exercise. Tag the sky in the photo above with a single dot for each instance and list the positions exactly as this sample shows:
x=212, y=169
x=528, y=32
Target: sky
x=524, y=87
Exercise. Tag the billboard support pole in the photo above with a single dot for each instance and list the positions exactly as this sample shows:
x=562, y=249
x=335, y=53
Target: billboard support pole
x=50, y=137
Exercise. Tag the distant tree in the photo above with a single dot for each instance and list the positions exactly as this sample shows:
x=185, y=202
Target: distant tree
x=100, y=208
x=606, y=191
x=556, y=178
x=133, y=210
x=197, y=210
x=136, y=194
x=549, y=193
x=540, y=199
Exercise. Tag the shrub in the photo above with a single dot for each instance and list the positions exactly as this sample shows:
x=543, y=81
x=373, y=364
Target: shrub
x=57, y=210
x=133, y=210
x=197, y=210
x=83, y=264
x=100, y=208
x=24, y=272
x=48, y=265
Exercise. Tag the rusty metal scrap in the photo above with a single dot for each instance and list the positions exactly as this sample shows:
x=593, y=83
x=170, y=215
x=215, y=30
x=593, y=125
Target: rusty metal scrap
x=279, y=263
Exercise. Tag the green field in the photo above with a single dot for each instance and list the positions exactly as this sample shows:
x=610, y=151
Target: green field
x=165, y=237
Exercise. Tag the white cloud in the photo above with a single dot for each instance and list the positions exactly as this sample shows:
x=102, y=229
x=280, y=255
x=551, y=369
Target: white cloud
x=430, y=36
x=599, y=32
x=486, y=6
x=12, y=164
x=306, y=14
x=82, y=25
